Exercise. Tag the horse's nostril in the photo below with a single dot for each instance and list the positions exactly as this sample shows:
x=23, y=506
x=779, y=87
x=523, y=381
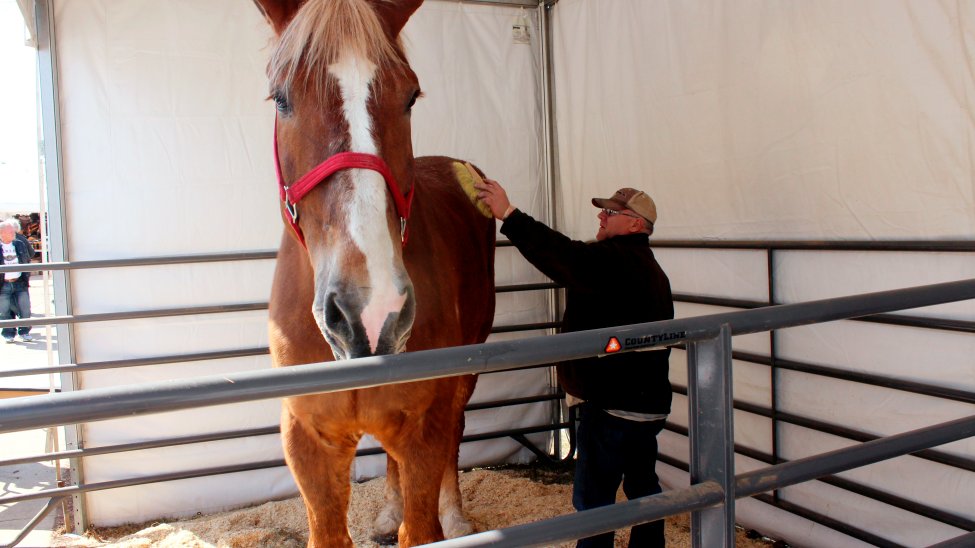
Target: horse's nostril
x=406, y=316
x=336, y=320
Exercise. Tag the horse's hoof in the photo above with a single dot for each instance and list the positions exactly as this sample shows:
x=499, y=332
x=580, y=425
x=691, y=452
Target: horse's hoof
x=385, y=539
x=387, y=522
x=455, y=526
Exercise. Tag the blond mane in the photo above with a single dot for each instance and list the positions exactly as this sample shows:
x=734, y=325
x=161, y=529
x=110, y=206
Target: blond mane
x=323, y=30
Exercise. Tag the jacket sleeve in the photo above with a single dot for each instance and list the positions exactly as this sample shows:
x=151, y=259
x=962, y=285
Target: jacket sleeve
x=25, y=252
x=568, y=262
x=30, y=249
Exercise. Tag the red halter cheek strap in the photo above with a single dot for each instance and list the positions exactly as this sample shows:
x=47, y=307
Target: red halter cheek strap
x=293, y=193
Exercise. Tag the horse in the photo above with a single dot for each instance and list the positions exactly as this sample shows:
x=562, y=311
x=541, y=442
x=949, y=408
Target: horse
x=381, y=253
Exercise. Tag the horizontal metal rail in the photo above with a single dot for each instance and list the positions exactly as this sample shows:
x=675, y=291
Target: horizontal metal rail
x=924, y=322
x=229, y=308
x=526, y=287
x=842, y=483
x=932, y=455
x=136, y=314
x=246, y=433
x=832, y=523
x=945, y=324
x=749, y=484
x=964, y=541
x=593, y=522
x=142, y=445
x=143, y=261
x=925, y=389
x=503, y=3
x=822, y=467
x=241, y=467
x=831, y=462
x=136, y=362
x=963, y=246
x=105, y=403
x=800, y=511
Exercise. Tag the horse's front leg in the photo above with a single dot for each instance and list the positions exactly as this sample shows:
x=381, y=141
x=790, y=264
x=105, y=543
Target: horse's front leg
x=422, y=456
x=451, y=503
x=387, y=523
x=321, y=469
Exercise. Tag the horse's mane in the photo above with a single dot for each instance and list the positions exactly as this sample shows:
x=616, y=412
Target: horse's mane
x=321, y=31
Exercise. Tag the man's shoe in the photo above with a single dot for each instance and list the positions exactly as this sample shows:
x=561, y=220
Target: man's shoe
x=26, y=338
x=9, y=339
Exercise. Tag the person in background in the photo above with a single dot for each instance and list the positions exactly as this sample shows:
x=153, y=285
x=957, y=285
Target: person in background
x=14, y=295
x=33, y=229
x=623, y=399
x=21, y=236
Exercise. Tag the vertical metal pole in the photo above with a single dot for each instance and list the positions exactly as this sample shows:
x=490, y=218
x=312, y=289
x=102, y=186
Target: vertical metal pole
x=712, y=436
x=548, y=115
x=47, y=63
x=548, y=180
x=774, y=370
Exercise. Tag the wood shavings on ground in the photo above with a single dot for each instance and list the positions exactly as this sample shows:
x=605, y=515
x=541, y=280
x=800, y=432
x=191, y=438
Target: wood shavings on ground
x=493, y=499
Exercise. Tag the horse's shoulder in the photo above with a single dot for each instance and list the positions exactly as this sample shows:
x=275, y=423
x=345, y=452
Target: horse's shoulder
x=445, y=175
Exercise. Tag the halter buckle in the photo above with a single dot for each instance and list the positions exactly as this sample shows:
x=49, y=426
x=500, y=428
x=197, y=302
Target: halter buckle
x=291, y=208
x=402, y=230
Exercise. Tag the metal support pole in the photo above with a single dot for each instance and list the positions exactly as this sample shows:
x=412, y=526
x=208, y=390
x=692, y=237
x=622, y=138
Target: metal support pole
x=56, y=219
x=550, y=183
x=774, y=372
x=712, y=435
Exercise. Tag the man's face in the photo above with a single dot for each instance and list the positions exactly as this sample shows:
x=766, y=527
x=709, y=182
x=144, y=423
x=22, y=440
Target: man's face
x=7, y=234
x=616, y=223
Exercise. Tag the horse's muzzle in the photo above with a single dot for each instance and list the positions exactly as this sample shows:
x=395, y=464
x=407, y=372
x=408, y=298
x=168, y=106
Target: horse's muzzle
x=361, y=322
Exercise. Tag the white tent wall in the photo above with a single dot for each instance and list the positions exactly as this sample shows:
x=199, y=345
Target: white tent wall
x=166, y=145
x=764, y=120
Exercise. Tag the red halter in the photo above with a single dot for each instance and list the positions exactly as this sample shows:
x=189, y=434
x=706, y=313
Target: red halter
x=292, y=194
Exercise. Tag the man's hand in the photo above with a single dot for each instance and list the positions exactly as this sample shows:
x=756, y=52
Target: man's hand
x=493, y=194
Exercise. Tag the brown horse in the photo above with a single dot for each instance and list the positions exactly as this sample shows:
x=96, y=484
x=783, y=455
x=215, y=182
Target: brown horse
x=347, y=282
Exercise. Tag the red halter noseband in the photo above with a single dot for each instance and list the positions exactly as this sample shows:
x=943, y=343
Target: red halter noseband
x=292, y=194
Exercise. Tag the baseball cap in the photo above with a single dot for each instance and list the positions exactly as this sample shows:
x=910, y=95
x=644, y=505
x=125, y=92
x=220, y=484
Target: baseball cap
x=635, y=200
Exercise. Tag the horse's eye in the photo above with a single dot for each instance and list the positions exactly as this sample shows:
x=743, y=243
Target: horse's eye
x=281, y=102
x=416, y=95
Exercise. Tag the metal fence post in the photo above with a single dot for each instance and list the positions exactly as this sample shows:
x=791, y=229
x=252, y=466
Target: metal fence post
x=712, y=435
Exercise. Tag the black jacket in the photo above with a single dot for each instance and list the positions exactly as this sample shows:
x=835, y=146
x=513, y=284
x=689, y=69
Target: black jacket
x=23, y=257
x=613, y=282
x=26, y=242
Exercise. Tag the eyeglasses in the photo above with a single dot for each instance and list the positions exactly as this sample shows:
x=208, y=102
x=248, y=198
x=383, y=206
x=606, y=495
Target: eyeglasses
x=613, y=212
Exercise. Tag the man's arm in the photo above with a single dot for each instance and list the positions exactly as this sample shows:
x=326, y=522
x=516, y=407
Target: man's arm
x=566, y=261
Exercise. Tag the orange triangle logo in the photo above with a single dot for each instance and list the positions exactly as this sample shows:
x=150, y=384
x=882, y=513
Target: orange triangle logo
x=613, y=345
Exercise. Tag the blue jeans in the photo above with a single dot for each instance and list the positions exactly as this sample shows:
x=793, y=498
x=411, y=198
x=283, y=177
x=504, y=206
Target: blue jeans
x=14, y=300
x=612, y=450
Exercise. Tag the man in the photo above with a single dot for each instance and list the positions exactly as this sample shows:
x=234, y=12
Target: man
x=14, y=285
x=625, y=398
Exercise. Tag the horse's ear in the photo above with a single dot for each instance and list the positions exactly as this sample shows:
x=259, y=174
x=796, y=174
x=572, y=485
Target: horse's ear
x=396, y=13
x=279, y=12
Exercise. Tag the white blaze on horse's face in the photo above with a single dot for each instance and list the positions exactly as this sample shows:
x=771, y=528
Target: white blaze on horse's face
x=388, y=284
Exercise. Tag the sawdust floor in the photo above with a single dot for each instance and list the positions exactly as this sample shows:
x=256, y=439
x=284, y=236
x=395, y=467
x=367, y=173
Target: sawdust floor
x=493, y=499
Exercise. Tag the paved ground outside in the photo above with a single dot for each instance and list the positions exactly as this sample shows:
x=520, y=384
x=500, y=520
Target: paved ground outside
x=40, y=352
x=30, y=477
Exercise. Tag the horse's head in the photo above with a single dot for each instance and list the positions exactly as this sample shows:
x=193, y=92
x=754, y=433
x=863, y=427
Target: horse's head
x=344, y=91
